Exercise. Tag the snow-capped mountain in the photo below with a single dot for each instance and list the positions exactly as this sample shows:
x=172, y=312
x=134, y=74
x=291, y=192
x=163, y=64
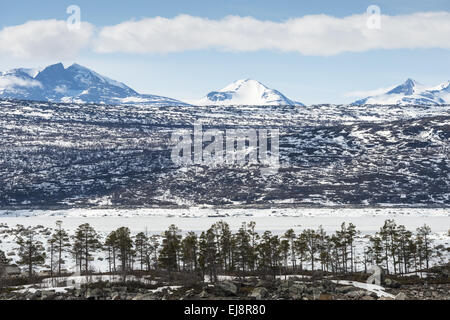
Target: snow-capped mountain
x=411, y=92
x=247, y=92
x=76, y=84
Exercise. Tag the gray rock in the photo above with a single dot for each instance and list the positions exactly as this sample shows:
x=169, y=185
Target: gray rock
x=345, y=289
x=400, y=296
x=328, y=285
x=48, y=295
x=265, y=283
x=367, y=298
x=115, y=296
x=260, y=293
x=297, y=289
x=93, y=294
x=228, y=288
x=138, y=296
x=356, y=294
x=392, y=283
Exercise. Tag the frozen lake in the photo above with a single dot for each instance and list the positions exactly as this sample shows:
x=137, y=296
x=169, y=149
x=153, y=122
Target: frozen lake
x=368, y=221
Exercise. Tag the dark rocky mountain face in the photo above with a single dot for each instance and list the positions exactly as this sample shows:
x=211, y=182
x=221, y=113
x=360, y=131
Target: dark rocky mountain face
x=89, y=155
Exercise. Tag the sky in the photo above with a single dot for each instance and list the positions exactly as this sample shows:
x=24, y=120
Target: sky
x=311, y=51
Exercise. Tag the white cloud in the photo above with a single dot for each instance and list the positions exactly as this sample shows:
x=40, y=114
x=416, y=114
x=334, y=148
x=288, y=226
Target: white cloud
x=310, y=35
x=321, y=35
x=367, y=93
x=7, y=82
x=44, y=39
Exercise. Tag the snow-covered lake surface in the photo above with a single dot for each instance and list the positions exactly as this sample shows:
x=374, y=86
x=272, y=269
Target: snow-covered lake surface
x=367, y=220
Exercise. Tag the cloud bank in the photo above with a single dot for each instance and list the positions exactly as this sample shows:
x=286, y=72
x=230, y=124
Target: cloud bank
x=319, y=35
x=367, y=93
x=44, y=39
x=12, y=81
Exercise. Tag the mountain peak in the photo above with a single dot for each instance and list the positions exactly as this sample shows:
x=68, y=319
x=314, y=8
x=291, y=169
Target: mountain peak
x=78, y=66
x=246, y=92
x=57, y=66
x=411, y=92
x=407, y=88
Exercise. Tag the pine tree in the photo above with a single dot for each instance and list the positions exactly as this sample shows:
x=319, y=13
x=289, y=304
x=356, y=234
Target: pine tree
x=111, y=247
x=350, y=238
x=425, y=242
x=3, y=263
x=290, y=236
x=51, y=250
x=3, y=259
x=189, y=251
x=243, y=248
x=86, y=243
x=301, y=248
x=311, y=245
x=124, y=246
x=141, y=244
x=61, y=243
x=285, y=247
x=31, y=251
x=168, y=256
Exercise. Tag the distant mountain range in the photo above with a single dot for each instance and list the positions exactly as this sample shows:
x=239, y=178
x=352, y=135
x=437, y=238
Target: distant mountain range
x=78, y=84
x=247, y=92
x=75, y=84
x=411, y=92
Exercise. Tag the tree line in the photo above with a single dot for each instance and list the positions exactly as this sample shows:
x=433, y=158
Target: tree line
x=219, y=250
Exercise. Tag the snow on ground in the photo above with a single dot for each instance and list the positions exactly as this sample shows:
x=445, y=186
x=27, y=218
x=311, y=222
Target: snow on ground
x=379, y=290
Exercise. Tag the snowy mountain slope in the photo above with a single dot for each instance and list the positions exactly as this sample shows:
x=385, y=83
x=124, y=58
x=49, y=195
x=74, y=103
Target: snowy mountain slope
x=411, y=92
x=247, y=92
x=73, y=84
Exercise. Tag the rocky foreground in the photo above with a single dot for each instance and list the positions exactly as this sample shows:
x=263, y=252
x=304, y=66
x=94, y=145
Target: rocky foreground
x=250, y=289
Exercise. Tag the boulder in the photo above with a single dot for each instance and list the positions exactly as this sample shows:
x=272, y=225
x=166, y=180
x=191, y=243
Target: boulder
x=115, y=296
x=297, y=289
x=267, y=283
x=228, y=288
x=356, y=294
x=328, y=285
x=260, y=293
x=142, y=297
x=345, y=289
x=48, y=295
x=400, y=296
x=392, y=283
x=93, y=294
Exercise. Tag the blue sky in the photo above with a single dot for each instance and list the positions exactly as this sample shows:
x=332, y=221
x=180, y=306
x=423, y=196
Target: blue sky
x=189, y=74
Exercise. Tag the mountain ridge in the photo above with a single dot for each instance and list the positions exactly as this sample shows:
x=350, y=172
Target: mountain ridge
x=74, y=84
x=411, y=92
